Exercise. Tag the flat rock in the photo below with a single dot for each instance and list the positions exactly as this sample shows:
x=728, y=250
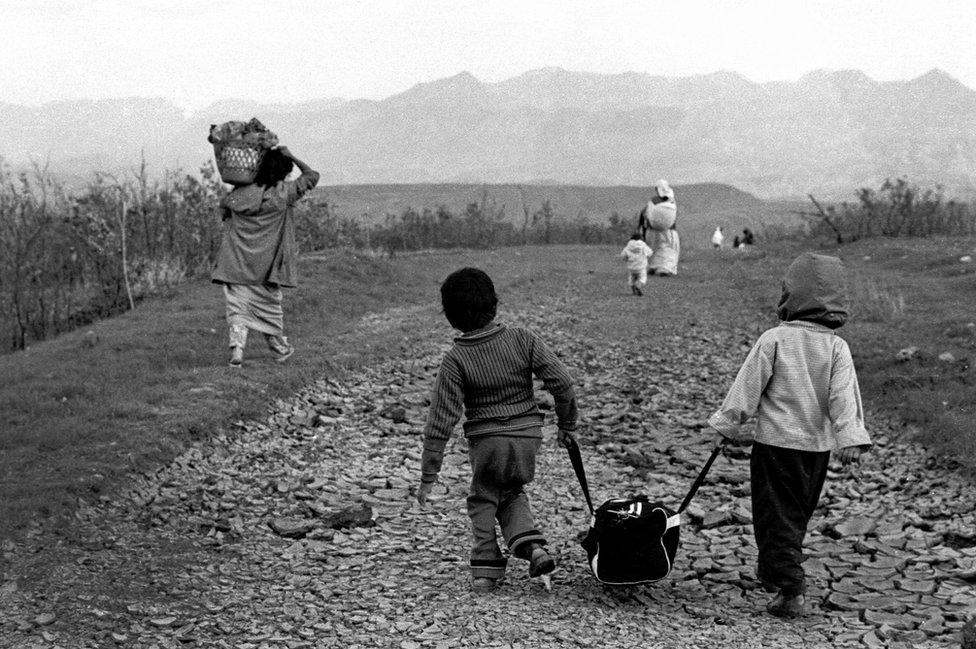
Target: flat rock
x=855, y=526
x=291, y=528
x=346, y=517
x=935, y=625
x=922, y=587
x=44, y=619
x=842, y=602
x=716, y=519
x=893, y=620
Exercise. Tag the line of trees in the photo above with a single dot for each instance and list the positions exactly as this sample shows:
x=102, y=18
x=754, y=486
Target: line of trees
x=70, y=258
x=67, y=259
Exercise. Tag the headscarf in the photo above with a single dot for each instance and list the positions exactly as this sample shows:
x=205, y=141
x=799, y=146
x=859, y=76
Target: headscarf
x=664, y=189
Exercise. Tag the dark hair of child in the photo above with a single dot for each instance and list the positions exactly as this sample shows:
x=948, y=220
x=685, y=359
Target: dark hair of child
x=635, y=236
x=274, y=168
x=469, y=300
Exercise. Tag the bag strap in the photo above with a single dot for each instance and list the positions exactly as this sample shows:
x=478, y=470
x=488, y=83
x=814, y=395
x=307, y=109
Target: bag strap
x=572, y=447
x=577, y=459
x=701, y=476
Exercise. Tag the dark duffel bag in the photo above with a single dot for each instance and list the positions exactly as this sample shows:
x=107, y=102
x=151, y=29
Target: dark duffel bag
x=632, y=540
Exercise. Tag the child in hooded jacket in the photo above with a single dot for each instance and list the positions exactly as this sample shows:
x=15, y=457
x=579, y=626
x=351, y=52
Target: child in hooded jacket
x=799, y=382
x=636, y=252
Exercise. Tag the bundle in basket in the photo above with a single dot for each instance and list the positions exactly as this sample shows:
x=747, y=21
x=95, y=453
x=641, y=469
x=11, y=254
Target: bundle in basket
x=661, y=216
x=239, y=148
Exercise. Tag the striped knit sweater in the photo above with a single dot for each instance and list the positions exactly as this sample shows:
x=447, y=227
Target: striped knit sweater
x=487, y=376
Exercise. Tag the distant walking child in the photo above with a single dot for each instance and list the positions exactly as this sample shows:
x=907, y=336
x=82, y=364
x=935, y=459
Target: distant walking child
x=799, y=382
x=636, y=252
x=717, y=237
x=487, y=374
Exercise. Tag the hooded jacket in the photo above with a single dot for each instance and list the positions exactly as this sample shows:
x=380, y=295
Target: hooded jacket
x=799, y=379
x=636, y=253
x=814, y=291
x=258, y=245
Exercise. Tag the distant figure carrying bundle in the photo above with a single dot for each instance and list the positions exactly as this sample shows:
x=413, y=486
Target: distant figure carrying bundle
x=747, y=239
x=258, y=255
x=666, y=243
x=636, y=253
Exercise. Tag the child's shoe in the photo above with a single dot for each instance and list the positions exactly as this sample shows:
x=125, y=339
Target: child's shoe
x=236, y=356
x=483, y=584
x=540, y=563
x=280, y=347
x=788, y=607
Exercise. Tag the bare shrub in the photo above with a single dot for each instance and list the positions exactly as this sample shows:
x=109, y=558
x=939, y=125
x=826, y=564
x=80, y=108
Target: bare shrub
x=66, y=260
x=898, y=209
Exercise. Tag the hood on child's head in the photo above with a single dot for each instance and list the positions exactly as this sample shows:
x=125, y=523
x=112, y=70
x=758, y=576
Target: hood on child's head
x=814, y=290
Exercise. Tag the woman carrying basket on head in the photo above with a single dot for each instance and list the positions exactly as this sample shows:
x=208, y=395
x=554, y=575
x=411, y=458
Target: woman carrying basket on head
x=258, y=255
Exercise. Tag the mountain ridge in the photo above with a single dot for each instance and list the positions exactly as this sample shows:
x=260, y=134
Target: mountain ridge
x=827, y=133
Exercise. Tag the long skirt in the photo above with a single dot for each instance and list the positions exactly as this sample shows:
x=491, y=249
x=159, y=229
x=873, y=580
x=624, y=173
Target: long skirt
x=255, y=307
x=667, y=249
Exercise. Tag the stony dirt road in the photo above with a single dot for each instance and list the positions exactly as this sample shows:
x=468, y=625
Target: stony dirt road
x=299, y=530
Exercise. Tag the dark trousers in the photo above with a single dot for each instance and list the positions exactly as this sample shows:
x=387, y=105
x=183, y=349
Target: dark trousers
x=501, y=466
x=786, y=486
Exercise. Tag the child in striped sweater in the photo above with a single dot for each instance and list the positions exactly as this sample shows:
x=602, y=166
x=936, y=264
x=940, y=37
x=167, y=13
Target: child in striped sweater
x=487, y=376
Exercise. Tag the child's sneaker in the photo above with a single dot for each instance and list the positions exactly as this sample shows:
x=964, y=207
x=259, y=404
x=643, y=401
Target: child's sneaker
x=483, y=584
x=236, y=356
x=788, y=607
x=279, y=345
x=540, y=563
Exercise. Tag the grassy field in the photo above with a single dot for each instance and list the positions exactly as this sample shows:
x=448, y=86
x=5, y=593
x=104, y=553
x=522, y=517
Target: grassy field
x=81, y=412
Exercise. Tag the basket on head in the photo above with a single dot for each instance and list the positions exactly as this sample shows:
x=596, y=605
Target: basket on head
x=238, y=161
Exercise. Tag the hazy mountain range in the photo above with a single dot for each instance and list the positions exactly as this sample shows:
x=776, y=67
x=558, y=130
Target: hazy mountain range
x=827, y=133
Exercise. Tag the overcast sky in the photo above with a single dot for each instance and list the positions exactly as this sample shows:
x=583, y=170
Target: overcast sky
x=195, y=52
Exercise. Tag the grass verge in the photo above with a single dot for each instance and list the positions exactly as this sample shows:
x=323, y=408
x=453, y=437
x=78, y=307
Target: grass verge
x=79, y=412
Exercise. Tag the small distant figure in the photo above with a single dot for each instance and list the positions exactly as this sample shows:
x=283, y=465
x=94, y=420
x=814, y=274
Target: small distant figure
x=717, y=237
x=736, y=242
x=636, y=252
x=747, y=237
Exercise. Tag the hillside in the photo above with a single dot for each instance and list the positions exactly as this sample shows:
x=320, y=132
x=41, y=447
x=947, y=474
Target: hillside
x=828, y=133
x=702, y=207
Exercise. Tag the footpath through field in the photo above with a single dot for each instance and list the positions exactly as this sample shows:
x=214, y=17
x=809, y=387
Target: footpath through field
x=299, y=530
